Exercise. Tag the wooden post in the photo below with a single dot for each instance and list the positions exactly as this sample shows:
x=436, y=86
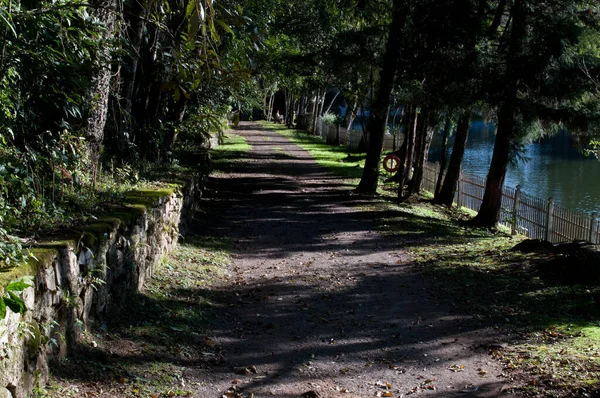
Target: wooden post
x=459, y=189
x=593, y=225
x=549, y=219
x=436, y=170
x=515, y=212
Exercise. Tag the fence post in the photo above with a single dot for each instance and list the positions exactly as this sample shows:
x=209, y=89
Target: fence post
x=515, y=212
x=549, y=219
x=593, y=224
x=459, y=183
x=436, y=169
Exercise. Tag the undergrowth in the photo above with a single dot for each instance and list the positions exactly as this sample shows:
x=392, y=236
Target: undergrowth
x=555, y=345
x=143, y=351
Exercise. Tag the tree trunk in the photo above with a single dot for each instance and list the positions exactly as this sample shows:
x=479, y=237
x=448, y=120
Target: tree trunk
x=332, y=101
x=421, y=154
x=121, y=112
x=144, y=108
x=406, y=162
x=316, y=112
x=271, y=105
x=322, y=103
x=446, y=194
x=136, y=33
x=410, y=155
x=401, y=152
x=492, y=198
x=266, y=106
x=443, y=160
x=394, y=132
x=100, y=91
x=289, y=109
x=351, y=113
x=370, y=178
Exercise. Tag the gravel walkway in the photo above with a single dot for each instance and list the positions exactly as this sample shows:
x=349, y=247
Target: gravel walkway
x=316, y=302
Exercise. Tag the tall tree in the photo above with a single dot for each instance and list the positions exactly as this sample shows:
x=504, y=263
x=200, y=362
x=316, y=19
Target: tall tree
x=534, y=61
x=445, y=196
x=106, y=12
x=378, y=117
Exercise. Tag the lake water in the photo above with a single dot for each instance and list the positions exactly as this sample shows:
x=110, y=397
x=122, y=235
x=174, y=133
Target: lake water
x=554, y=168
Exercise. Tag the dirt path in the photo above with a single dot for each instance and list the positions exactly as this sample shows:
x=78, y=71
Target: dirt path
x=317, y=301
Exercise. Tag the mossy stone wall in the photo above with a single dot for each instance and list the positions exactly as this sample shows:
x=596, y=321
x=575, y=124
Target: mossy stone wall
x=80, y=278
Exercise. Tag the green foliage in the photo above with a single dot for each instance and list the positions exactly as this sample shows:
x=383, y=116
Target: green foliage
x=593, y=149
x=200, y=126
x=330, y=119
x=10, y=298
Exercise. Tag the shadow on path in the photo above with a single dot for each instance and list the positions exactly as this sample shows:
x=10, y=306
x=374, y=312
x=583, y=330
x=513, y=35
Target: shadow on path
x=314, y=300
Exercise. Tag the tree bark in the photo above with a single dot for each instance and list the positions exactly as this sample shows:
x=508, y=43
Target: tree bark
x=316, y=112
x=370, y=178
x=443, y=160
x=421, y=155
x=408, y=156
x=446, y=194
x=105, y=12
x=492, y=198
x=394, y=132
x=332, y=101
x=350, y=114
x=266, y=106
x=271, y=105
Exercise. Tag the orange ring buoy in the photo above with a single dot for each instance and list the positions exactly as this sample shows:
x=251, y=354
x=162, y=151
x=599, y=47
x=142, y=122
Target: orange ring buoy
x=391, y=163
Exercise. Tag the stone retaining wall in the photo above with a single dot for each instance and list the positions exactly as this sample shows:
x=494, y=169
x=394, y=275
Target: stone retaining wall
x=76, y=280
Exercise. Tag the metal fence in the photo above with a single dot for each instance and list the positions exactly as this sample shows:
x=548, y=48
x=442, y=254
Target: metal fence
x=349, y=137
x=522, y=213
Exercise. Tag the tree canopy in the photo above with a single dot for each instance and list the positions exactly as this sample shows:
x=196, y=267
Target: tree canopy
x=97, y=89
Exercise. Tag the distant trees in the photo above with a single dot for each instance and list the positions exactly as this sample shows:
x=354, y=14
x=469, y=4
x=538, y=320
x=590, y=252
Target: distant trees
x=536, y=78
x=87, y=87
x=110, y=83
x=513, y=58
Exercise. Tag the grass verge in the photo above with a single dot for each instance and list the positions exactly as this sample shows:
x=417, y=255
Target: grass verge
x=554, y=328
x=552, y=318
x=336, y=159
x=142, y=352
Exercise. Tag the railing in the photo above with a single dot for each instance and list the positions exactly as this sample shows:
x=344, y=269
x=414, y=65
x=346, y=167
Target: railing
x=349, y=137
x=523, y=213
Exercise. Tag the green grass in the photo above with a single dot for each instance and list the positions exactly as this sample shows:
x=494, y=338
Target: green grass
x=230, y=148
x=558, y=323
x=336, y=159
x=144, y=350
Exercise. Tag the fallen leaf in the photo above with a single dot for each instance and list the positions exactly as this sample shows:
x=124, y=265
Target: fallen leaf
x=457, y=368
